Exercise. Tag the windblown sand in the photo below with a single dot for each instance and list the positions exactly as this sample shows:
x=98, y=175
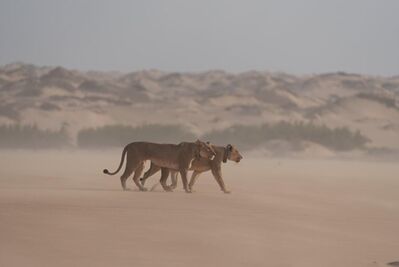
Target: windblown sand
x=58, y=209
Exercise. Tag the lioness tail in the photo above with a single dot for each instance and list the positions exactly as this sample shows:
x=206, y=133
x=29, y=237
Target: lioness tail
x=120, y=165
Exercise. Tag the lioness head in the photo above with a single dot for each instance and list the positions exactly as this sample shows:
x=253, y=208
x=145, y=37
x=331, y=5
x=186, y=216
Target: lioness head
x=205, y=150
x=231, y=153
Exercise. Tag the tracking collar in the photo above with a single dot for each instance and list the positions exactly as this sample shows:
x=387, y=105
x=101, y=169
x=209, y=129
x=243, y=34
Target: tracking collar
x=227, y=152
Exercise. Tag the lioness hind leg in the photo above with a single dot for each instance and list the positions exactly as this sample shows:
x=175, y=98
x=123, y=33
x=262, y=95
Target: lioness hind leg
x=173, y=176
x=193, y=179
x=128, y=171
x=137, y=174
x=164, y=177
x=151, y=171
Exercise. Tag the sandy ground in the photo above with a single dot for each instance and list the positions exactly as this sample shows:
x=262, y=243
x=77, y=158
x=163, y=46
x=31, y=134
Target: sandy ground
x=57, y=209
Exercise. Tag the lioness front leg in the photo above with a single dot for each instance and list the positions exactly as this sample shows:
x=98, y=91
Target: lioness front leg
x=183, y=174
x=193, y=179
x=217, y=174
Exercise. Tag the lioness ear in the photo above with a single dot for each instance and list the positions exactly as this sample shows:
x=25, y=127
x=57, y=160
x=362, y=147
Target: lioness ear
x=230, y=147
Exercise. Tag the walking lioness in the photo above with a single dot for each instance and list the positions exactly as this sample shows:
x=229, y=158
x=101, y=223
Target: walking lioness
x=176, y=157
x=202, y=165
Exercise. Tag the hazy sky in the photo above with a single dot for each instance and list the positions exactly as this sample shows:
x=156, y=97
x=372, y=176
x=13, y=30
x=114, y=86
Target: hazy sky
x=297, y=36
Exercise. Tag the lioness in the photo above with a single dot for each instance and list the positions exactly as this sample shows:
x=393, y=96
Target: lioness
x=176, y=157
x=201, y=165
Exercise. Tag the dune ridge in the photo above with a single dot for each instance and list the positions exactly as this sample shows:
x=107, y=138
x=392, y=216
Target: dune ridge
x=56, y=97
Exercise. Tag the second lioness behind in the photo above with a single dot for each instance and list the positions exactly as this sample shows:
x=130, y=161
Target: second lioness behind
x=176, y=157
x=199, y=165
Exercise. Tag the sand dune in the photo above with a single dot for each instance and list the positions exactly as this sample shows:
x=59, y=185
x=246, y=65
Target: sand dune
x=57, y=209
x=54, y=96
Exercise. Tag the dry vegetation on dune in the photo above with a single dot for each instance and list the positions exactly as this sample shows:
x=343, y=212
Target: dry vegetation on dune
x=297, y=136
x=120, y=135
x=251, y=137
x=30, y=136
x=245, y=137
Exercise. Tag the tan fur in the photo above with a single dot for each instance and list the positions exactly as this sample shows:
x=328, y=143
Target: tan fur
x=200, y=165
x=168, y=156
